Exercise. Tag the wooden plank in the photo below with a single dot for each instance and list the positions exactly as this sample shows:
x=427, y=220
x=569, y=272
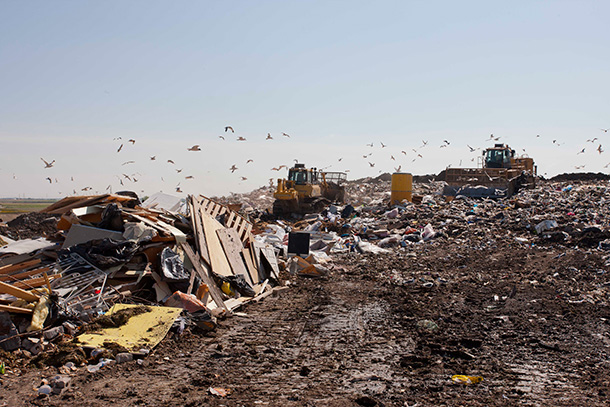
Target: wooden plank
x=20, y=266
x=16, y=310
x=269, y=254
x=150, y=223
x=218, y=260
x=242, y=230
x=202, y=247
x=205, y=275
x=17, y=292
x=231, y=243
x=250, y=265
x=20, y=276
x=174, y=231
x=216, y=210
x=33, y=282
x=231, y=219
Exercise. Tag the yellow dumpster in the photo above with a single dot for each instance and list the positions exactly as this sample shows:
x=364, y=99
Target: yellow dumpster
x=402, y=187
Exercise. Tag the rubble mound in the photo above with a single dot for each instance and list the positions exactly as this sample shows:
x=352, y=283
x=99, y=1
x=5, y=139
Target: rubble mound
x=31, y=225
x=581, y=176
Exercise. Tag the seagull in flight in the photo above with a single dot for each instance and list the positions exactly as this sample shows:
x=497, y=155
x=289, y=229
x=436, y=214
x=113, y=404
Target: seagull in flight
x=269, y=137
x=194, y=148
x=47, y=164
x=49, y=179
x=605, y=130
x=599, y=149
x=222, y=137
x=153, y=158
x=250, y=161
x=285, y=135
x=371, y=164
x=233, y=168
x=581, y=151
x=471, y=149
x=132, y=141
x=128, y=162
x=404, y=152
x=382, y=145
x=120, y=148
x=240, y=138
x=227, y=128
x=171, y=161
x=370, y=145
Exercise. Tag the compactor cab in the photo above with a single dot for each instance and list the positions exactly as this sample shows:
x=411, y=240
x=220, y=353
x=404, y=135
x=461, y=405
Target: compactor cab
x=307, y=190
x=498, y=157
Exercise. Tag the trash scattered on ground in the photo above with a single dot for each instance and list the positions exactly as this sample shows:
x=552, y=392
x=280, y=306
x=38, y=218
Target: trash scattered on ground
x=185, y=265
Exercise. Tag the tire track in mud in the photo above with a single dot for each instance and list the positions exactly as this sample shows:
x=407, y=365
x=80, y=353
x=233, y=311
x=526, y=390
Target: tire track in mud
x=325, y=347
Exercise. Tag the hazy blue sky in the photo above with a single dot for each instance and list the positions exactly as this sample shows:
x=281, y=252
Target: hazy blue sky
x=334, y=75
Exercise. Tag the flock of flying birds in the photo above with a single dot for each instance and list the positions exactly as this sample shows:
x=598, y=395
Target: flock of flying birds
x=195, y=148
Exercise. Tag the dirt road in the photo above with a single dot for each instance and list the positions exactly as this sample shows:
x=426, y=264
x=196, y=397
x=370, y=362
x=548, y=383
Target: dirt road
x=385, y=330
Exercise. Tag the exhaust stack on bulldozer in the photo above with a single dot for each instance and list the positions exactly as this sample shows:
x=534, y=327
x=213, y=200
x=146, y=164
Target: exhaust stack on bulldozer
x=501, y=174
x=308, y=190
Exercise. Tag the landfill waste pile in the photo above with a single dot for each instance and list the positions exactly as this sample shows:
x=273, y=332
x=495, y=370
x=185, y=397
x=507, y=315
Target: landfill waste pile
x=203, y=301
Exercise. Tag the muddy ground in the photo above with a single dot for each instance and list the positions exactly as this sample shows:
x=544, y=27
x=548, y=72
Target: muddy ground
x=384, y=330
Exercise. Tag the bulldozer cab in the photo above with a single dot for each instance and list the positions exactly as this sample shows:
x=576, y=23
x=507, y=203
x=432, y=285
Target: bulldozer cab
x=302, y=176
x=498, y=157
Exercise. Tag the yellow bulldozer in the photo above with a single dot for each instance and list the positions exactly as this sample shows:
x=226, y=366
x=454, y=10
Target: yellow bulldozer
x=500, y=174
x=308, y=190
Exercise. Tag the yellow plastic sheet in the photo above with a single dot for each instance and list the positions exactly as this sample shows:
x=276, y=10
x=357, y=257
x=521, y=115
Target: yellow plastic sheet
x=458, y=378
x=141, y=331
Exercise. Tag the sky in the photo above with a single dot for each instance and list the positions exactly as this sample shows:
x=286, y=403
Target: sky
x=80, y=79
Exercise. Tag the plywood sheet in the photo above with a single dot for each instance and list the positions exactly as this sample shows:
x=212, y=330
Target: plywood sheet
x=220, y=264
x=232, y=246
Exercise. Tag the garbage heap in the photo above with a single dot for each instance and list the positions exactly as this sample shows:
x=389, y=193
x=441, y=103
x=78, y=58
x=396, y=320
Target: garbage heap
x=169, y=263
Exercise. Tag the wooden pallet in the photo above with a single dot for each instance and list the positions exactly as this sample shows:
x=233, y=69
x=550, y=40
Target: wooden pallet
x=232, y=219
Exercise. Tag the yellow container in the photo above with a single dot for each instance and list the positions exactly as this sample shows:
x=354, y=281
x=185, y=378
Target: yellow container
x=402, y=187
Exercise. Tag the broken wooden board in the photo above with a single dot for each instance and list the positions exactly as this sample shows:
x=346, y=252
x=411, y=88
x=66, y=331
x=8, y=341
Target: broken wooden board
x=232, y=220
x=145, y=330
x=16, y=310
x=161, y=226
x=19, y=266
x=34, y=282
x=231, y=243
x=20, y=276
x=266, y=254
x=197, y=224
x=17, y=292
x=205, y=276
x=253, y=271
x=220, y=264
x=62, y=206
